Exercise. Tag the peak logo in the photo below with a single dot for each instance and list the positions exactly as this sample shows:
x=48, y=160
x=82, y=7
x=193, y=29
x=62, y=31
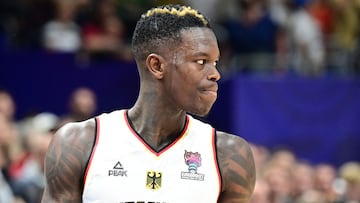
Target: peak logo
x=118, y=170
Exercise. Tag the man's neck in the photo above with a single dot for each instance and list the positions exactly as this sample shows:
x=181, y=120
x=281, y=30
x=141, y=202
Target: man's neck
x=157, y=128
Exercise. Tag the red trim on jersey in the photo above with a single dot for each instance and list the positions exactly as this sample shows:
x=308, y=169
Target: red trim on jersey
x=97, y=135
x=148, y=146
x=216, y=160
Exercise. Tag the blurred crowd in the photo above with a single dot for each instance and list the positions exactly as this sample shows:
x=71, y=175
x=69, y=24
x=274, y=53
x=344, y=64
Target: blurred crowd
x=306, y=37
x=23, y=144
x=282, y=177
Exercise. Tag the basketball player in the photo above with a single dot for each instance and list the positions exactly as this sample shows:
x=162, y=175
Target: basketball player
x=156, y=151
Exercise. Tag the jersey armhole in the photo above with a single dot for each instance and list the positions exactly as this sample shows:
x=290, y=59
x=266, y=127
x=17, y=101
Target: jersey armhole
x=214, y=140
x=95, y=142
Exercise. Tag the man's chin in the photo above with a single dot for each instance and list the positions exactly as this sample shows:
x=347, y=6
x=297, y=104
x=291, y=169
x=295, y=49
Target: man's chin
x=200, y=113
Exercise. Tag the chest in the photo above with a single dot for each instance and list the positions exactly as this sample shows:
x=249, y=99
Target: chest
x=129, y=174
x=123, y=168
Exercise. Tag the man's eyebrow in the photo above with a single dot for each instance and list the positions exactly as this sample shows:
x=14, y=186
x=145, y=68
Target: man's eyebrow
x=197, y=54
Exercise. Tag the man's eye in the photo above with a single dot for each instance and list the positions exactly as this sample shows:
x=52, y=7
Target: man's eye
x=201, y=61
x=215, y=63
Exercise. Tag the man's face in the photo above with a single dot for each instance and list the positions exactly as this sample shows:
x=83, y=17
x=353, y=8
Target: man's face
x=191, y=78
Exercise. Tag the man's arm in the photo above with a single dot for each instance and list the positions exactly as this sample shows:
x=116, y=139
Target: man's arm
x=66, y=160
x=237, y=168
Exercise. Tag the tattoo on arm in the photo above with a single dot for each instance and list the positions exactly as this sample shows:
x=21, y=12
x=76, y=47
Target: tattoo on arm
x=237, y=169
x=65, y=163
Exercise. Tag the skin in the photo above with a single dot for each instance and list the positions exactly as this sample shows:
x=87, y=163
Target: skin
x=173, y=82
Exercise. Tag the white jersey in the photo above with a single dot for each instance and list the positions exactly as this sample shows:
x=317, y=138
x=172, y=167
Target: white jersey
x=124, y=169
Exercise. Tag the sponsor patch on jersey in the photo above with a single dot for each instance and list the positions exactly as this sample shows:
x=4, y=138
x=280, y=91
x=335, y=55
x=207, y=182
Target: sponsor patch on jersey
x=153, y=180
x=118, y=170
x=193, y=161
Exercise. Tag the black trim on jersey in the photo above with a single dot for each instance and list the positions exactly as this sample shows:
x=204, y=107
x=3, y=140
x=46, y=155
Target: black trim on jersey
x=217, y=161
x=90, y=154
x=157, y=151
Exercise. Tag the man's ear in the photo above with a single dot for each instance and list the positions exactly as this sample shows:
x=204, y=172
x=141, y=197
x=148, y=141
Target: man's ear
x=155, y=64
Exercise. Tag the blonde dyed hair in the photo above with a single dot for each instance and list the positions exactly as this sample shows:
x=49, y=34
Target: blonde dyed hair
x=182, y=11
x=161, y=27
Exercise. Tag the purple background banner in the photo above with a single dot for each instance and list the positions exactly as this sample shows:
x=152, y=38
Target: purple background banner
x=316, y=118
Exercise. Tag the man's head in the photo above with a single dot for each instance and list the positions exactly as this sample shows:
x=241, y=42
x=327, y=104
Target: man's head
x=176, y=52
x=160, y=27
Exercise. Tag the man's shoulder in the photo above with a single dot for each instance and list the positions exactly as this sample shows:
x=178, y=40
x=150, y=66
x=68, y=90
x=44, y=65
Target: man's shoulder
x=80, y=130
x=236, y=163
x=230, y=139
x=67, y=157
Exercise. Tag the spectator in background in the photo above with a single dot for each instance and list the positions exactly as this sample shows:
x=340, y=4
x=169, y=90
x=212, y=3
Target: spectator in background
x=26, y=22
x=261, y=157
x=27, y=174
x=208, y=8
x=104, y=35
x=22, y=150
x=62, y=34
x=37, y=142
x=7, y=105
x=303, y=186
x=279, y=13
x=279, y=178
x=9, y=11
x=82, y=105
x=130, y=10
x=261, y=192
x=6, y=192
x=253, y=36
x=325, y=177
x=11, y=151
x=350, y=172
x=163, y=2
x=345, y=39
x=283, y=157
x=306, y=40
x=10, y=137
x=323, y=13
x=276, y=171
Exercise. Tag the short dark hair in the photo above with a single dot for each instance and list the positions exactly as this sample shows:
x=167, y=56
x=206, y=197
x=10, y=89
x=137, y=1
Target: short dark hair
x=161, y=26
